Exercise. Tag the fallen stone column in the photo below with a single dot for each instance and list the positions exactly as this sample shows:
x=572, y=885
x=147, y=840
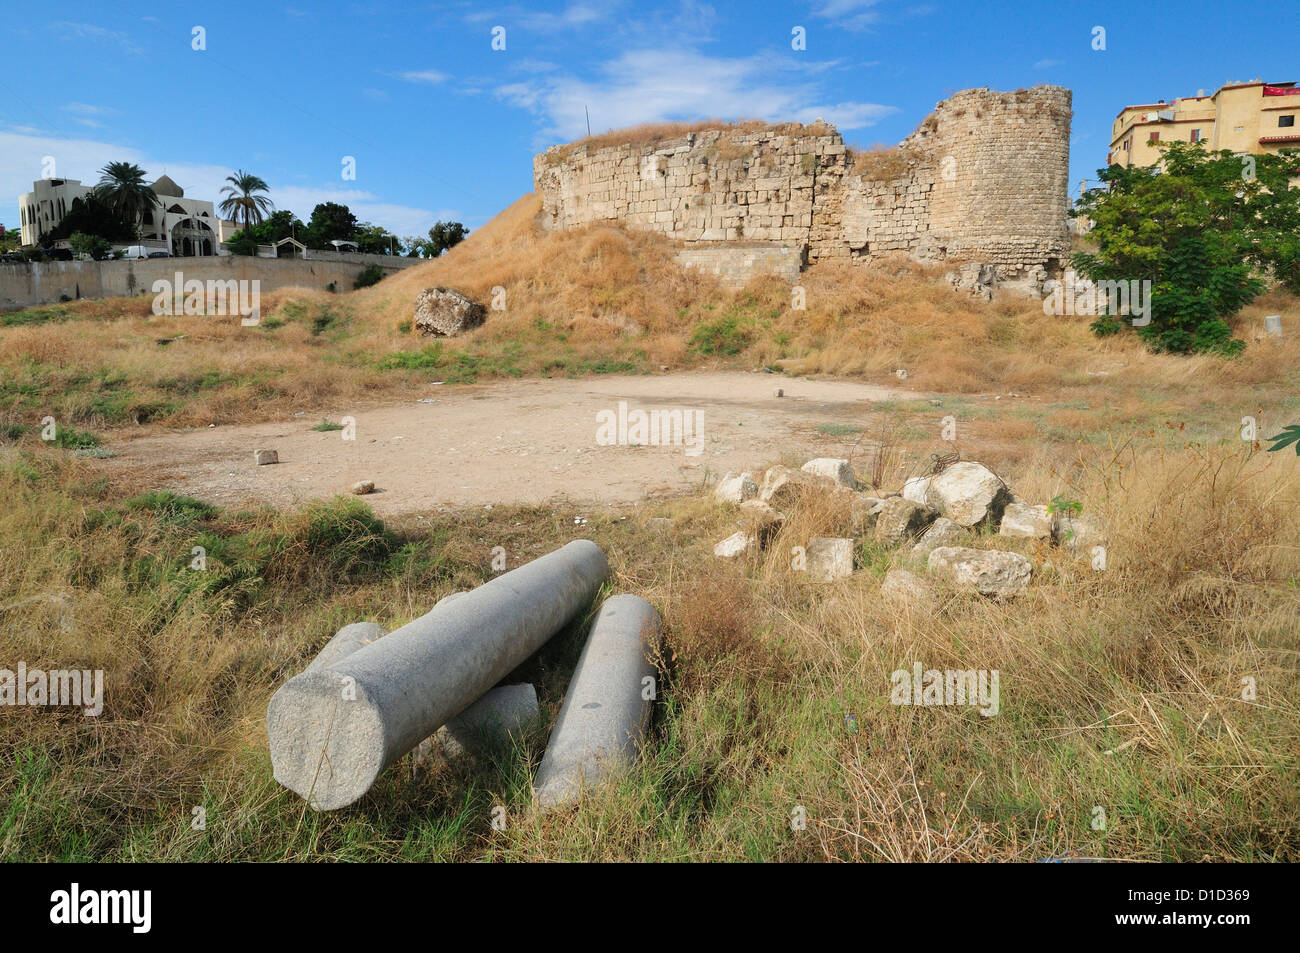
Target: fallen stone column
x=493, y=719
x=501, y=713
x=333, y=730
x=607, y=707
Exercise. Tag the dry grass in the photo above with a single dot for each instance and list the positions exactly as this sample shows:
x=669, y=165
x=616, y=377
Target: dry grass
x=602, y=300
x=653, y=133
x=1119, y=689
x=1144, y=660
x=882, y=163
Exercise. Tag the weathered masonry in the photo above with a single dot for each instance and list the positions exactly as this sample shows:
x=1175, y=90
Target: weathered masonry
x=983, y=179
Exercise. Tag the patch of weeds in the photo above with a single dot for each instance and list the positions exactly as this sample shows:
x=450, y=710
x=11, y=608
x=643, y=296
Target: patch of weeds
x=33, y=316
x=172, y=507
x=726, y=337
x=839, y=430
x=327, y=425
x=423, y=359
x=604, y=366
x=70, y=438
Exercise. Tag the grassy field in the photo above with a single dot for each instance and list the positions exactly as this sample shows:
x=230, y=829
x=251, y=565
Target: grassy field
x=1121, y=690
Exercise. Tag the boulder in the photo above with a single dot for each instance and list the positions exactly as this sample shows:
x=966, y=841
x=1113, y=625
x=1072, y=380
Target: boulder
x=736, y=489
x=832, y=468
x=262, y=457
x=903, y=587
x=737, y=544
x=914, y=489
x=866, y=511
x=1023, y=521
x=447, y=312
x=362, y=487
x=942, y=532
x=901, y=519
x=990, y=572
x=968, y=493
x=782, y=486
x=1077, y=533
x=829, y=558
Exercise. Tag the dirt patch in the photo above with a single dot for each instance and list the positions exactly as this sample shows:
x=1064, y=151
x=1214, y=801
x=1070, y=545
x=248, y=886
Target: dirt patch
x=518, y=442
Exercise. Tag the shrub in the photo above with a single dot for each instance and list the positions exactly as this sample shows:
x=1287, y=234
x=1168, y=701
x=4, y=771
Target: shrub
x=370, y=275
x=725, y=337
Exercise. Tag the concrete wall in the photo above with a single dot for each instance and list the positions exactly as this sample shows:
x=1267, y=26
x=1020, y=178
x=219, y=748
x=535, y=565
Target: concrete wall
x=27, y=285
x=984, y=179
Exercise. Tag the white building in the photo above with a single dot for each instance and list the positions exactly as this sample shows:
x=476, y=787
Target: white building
x=45, y=205
x=177, y=225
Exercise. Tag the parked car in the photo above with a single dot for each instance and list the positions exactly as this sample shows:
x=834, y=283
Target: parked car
x=160, y=254
x=56, y=254
x=135, y=252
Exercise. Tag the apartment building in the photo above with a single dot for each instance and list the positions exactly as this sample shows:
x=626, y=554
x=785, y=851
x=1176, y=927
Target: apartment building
x=1254, y=117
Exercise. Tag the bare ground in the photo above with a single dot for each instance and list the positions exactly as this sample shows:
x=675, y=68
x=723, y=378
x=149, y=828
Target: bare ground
x=519, y=442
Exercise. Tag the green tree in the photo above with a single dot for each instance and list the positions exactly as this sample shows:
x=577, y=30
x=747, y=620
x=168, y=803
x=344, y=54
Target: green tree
x=442, y=236
x=92, y=246
x=329, y=222
x=1204, y=231
x=91, y=216
x=376, y=240
x=243, y=201
x=123, y=189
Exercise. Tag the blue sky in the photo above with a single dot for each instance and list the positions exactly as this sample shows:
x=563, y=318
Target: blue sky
x=443, y=126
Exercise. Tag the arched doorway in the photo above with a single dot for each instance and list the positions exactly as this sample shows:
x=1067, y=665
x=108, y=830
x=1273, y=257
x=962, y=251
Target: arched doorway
x=192, y=237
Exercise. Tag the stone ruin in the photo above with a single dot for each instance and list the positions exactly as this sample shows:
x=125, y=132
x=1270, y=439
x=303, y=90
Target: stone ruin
x=982, y=182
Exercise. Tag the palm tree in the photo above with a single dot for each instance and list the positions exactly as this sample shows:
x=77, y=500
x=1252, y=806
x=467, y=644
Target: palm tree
x=123, y=189
x=242, y=201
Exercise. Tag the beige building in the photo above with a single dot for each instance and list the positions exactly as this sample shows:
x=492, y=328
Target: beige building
x=179, y=226
x=1255, y=117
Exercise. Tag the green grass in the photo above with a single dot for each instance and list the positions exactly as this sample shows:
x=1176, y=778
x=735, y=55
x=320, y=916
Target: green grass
x=29, y=316
x=326, y=425
x=838, y=430
x=725, y=337
x=750, y=724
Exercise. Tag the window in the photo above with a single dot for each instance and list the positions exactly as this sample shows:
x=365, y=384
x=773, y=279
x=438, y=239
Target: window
x=1153, y=137
x=1196, y=136
x=1286, y=120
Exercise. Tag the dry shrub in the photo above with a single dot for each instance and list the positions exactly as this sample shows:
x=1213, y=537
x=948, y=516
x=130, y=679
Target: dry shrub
x=882, y=163
x=712, y=629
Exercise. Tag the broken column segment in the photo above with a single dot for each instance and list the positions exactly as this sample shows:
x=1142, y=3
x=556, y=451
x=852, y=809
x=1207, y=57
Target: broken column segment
x=607, y=708
x=333, y=730
x=502, y=713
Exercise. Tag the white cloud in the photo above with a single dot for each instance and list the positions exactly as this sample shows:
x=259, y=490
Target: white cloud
x=423, y=76
x=849, y=14
x=659, y=85
x=1048, y=64
x=575, y=14
x=89, y=31
x=85, y=109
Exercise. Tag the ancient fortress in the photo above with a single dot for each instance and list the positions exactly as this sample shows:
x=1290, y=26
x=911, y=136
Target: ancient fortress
x=983, y=180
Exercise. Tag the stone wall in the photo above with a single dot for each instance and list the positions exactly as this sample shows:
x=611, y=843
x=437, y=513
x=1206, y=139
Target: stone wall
x=983, y=179
x=26, y=285
x=736, y=263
